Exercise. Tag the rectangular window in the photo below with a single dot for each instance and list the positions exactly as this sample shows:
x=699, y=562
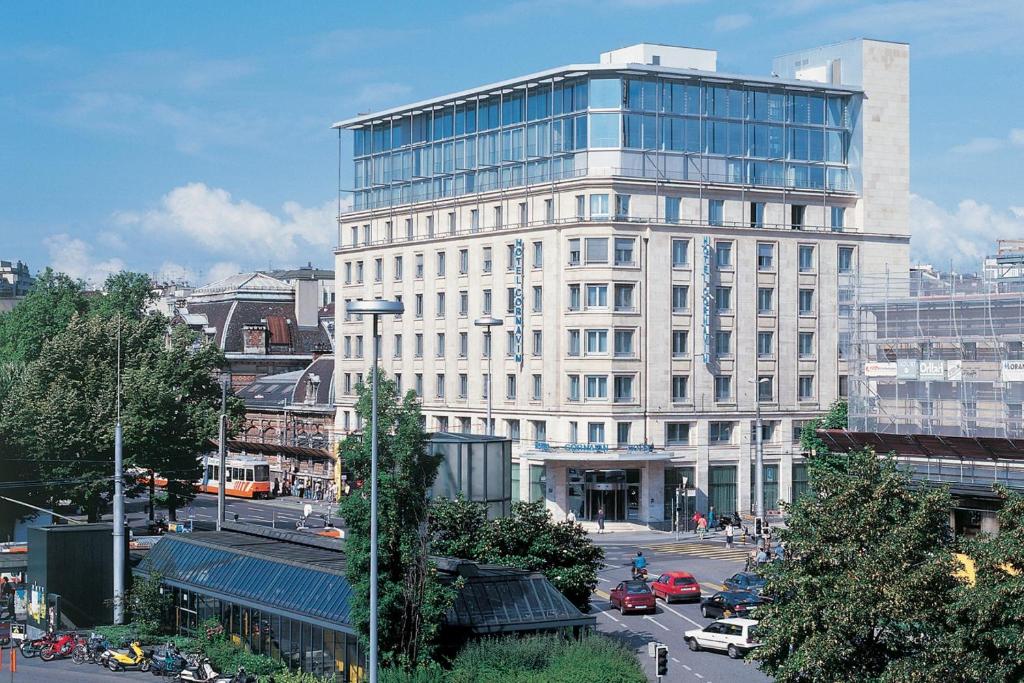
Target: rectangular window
x=440, y=305
x=765, y=388
x=359, y=346
x=538, y=299
x=418, y=345
x=524, y=213
x=574, y=387
x=378, y=270
x=624, y=343
x=598, y=206
x=538, y=387
x=574, y=342
x=806, y=301
x=430, y=226
x=723, y=299
x=463, y=344
x=765, y=256
x=419, y=305
x=574, y=252
x=623, y=388
x=845, y=259
x=677, y=433
x=389, y=231
x=463, y=261
x=439, y=351
x=540, y=432
x=680, y=386
x=419, y=384
x=765, y=344
x=624, y=251
x=765, y=299
x=806, y=344
x=441, y=264
x=716, y=210
x=419, y=266
x=757, y=214
x=463, y=385
x=797, y=212
x=398, y=268
x=680, y=253
x=463, y=303
x=486, y=302
x=723, y=254
x=624, y=297
x=621, y=206
x=720, y=432
x=597, y=249
x=597, y=387
x=538, y=254
x=622, y=433
x=510, y=293
x=408, y=229
x=574, y=431
x=679, y=343
x=439, y=389
x=348, y=272
x=723, y=344
x=595, y=432
x=838, y=218
x=487, y=262
x=597, y=342
x=398, y=346
x=844, y=386
x=510, y=387
x=806, y=388
x=723, y=388
x=451, y=223
x=538, y=343
x=680, y=297
x=474, y=220
x=597, y=296
x=806, y=258
x=672, y=205
x=549, y=210
x=510, y=257
x=510, y=343
x=574, y=297
x=581, y=207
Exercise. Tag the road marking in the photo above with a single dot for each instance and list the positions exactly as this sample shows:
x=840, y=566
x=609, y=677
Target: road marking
x=601, y=594
x=613, y=618
x=706, y=550
x=687, y=668
x=680, y=614
x=697, y=675
x=601, y=578
x=675, y=660
x=650, y=619
x=713, y=586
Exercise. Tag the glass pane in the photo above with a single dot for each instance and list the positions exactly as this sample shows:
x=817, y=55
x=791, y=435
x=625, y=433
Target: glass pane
x=605, y=93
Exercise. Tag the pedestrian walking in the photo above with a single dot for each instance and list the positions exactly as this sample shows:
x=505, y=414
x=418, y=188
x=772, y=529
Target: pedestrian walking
x=600, y=520
x=761, y=557
x=729, y=532
x=696, y=519
x=571, y=517
x=702, y=527
x=711, y=518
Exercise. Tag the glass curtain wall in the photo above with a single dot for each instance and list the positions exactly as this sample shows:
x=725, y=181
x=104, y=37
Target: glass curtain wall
x=751, y=134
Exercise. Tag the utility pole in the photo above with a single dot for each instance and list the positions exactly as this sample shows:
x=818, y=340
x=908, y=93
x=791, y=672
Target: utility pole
x=118, y=498
x=222, y=449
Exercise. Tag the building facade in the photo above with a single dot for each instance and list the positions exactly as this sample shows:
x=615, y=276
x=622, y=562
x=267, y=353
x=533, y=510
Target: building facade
x=656, y=235
x=15, y=282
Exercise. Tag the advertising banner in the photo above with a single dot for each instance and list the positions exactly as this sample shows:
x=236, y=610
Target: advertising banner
x=880, y=369
x=931, y=370
x=1012, y=371
x=906, y=368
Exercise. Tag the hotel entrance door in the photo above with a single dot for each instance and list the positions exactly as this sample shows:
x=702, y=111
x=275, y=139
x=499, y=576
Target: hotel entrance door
x=617, y=491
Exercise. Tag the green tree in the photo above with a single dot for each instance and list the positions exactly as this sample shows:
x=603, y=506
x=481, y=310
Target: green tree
x=125, y=293
x=51, y=304
x=873, y=563
x=412, y=601
x=529, y=538
x=837, y=417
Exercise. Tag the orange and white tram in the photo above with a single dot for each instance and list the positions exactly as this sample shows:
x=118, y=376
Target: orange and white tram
x=244, y=476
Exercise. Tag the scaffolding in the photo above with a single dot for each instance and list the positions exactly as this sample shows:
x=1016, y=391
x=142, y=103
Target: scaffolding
x=934, y=354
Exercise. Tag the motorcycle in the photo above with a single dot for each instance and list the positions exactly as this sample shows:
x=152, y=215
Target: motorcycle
x=203, y=672
x=63, y=646
x=640, y=574
x=32, y=648
x=134, y=658
x=169, y=662
x=91, y=649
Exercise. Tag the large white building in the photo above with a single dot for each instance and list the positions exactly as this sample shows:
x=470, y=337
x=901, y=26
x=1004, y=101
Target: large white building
x=656, y=235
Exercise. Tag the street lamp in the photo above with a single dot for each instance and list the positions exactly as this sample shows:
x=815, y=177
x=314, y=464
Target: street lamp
x=487, y=322
x=222, y=447
x=376, y=308
x=759, y=462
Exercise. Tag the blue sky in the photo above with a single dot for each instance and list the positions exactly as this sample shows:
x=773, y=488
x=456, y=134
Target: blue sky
x=193, y=139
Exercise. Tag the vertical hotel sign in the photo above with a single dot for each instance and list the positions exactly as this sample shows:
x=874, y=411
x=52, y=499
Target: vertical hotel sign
x=706, y=308
x=517, y=259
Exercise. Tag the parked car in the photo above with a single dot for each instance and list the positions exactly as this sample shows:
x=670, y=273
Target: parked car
x=633, y=596
x=672, y=586
x=737, y=637
x=730, y=603
x=745, y=581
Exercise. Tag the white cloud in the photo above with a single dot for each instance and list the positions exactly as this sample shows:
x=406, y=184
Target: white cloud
x=220, y=270
x=212, y=219
x=174, y=272
x=963, y=236
x=73, y=256
x=732, y=22
x=987, y=145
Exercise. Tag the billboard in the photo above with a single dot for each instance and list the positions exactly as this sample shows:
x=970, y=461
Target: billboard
x=1012, y=371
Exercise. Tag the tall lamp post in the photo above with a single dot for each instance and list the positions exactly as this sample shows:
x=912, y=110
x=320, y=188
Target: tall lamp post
x=376, y=308
x=222, y=447
x=759, y=458
x=487, y=322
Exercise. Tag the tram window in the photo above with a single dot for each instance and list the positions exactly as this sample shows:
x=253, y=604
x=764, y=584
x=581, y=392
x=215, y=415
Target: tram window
x=227, y=473
x=262, y=472
x=236, y=473
x=248, y=474
x=211, y=472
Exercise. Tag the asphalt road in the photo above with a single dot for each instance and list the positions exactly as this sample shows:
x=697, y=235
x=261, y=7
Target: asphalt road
x=710, y=562
x=36, y=670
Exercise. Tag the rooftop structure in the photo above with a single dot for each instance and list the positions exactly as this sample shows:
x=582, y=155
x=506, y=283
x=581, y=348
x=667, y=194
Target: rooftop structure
x=15, y=283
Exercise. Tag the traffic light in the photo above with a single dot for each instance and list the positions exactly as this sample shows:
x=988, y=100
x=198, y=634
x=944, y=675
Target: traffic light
x=758, y=523
x=662, y=655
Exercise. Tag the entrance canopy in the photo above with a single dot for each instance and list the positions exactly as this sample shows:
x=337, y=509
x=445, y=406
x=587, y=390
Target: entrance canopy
x=597, y=457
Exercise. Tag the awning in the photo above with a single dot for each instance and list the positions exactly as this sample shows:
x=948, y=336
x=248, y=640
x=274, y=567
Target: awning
x=274, y=449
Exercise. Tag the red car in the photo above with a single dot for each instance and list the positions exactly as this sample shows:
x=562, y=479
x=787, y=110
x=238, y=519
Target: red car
x=633, y=596
x=672, y=586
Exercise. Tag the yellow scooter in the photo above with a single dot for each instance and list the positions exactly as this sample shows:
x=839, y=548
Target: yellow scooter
x=119, y=660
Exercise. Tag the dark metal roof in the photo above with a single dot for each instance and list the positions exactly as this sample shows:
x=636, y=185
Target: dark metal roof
x=280, y=572
x=926, y=445
x=237, y=446
x=459, y=437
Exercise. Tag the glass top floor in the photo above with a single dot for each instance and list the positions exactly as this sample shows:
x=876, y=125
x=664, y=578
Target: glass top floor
x=696, y=128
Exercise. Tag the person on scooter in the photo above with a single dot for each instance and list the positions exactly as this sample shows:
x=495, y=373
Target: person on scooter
x=639, y=564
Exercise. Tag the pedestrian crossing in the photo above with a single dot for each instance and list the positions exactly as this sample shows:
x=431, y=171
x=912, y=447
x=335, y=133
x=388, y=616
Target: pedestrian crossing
x=707, y=550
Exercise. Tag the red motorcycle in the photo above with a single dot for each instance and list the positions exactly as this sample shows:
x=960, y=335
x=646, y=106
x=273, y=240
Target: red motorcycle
x=31, y=648
x=63, y=646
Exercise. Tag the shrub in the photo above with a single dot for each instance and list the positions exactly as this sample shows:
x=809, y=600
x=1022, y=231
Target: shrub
x=296, y=677
x=429, y=674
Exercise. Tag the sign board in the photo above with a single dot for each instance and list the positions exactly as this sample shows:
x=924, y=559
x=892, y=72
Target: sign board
x=931, y=370
x=1012, y=371
x=706, y=307
x=906, y=368
x=954, y=370
x=877, y=369
x=517, y=260
x=587, y=447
